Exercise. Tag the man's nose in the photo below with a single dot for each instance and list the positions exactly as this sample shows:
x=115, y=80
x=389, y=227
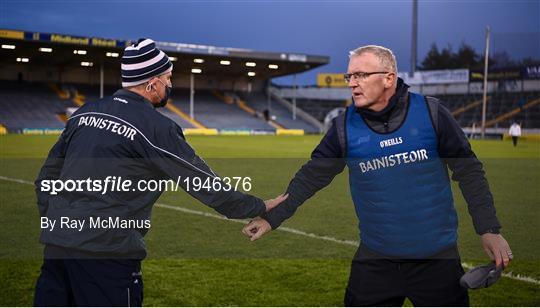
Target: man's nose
x=352, y=83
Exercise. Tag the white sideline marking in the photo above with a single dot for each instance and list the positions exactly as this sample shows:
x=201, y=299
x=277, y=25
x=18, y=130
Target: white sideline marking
x=289, y=230
x=285, y=229
x=5, y=178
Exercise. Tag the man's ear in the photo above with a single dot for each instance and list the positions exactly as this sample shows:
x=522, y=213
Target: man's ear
x=152, y=82
x=148, y=86
x=390, y=80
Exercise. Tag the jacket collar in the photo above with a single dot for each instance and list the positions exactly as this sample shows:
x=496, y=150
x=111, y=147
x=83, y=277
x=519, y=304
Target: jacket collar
x=397, y=99
x=132, y=96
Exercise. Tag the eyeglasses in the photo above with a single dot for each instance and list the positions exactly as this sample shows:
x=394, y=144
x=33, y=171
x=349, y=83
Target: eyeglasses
x=360, y=75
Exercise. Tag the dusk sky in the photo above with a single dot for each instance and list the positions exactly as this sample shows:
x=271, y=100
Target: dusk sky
x=330, y=28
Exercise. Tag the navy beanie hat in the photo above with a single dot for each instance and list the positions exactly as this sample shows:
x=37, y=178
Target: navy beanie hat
x=142, y=61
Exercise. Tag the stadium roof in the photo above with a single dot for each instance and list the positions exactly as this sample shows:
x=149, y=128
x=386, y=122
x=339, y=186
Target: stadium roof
x=70, y=50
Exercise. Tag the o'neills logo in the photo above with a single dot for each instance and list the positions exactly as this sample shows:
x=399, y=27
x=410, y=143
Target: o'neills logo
x=120, y=100
x=390, y=142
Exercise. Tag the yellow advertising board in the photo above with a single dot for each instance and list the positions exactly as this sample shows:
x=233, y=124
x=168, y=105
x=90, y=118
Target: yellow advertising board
x=57, y=38
x=292, y=132
x=201, y=131
x=11, y=34
x=331, y=80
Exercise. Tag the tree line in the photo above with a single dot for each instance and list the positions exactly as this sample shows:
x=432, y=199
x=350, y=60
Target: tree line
x=467, y=57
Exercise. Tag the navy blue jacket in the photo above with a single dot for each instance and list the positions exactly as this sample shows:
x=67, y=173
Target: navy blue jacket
x=123, y=136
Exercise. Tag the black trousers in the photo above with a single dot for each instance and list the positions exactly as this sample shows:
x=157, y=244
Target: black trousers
x=380, y=281
x=89, y=282
x=515, y=140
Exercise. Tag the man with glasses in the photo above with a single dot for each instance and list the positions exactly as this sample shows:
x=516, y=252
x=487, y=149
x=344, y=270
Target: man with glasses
x=398, y=146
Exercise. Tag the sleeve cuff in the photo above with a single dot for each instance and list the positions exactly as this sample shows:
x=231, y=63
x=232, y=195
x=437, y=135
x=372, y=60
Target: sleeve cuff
x=495, y=230
x=272, y=220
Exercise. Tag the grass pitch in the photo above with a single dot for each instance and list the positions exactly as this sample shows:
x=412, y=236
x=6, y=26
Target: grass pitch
x=198, y=260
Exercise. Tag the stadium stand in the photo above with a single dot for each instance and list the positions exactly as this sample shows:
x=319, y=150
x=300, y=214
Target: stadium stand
x=41, y=105
x=210, y=109
x=212, y=112
x=176, y=118
x=91, y=93
x=31, y=105
x=503, y=107
x=319, y=108
x=232, y=99
x=283, y=116
x=467, y=109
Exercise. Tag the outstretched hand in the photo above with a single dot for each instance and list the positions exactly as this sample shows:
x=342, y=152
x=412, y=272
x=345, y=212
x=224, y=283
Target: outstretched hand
x=272, y=203
x=259, y=226
x=256, y=228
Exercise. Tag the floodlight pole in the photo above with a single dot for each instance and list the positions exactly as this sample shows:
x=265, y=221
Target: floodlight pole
x=294, y=98
x=191, y=95
x=268, y=99
x=414, y=40
x=101, y=80
x=484, y=97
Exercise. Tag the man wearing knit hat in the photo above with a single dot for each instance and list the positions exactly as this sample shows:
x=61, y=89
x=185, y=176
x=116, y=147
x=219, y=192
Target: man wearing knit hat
x=94, y=234
x=147, y=71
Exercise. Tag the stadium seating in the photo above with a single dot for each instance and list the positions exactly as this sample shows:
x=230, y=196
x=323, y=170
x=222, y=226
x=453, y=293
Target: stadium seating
x=30, y=105
x=176, y=118
x=319, y=108
x=466, y=108
x=91, y=92
x=214, y=113
x=38, y=105
x=209, y=110
x=498, y=104
x=259, y=102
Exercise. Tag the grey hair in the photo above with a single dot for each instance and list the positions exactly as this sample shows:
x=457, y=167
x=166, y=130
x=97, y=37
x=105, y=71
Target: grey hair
x=386, y=56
